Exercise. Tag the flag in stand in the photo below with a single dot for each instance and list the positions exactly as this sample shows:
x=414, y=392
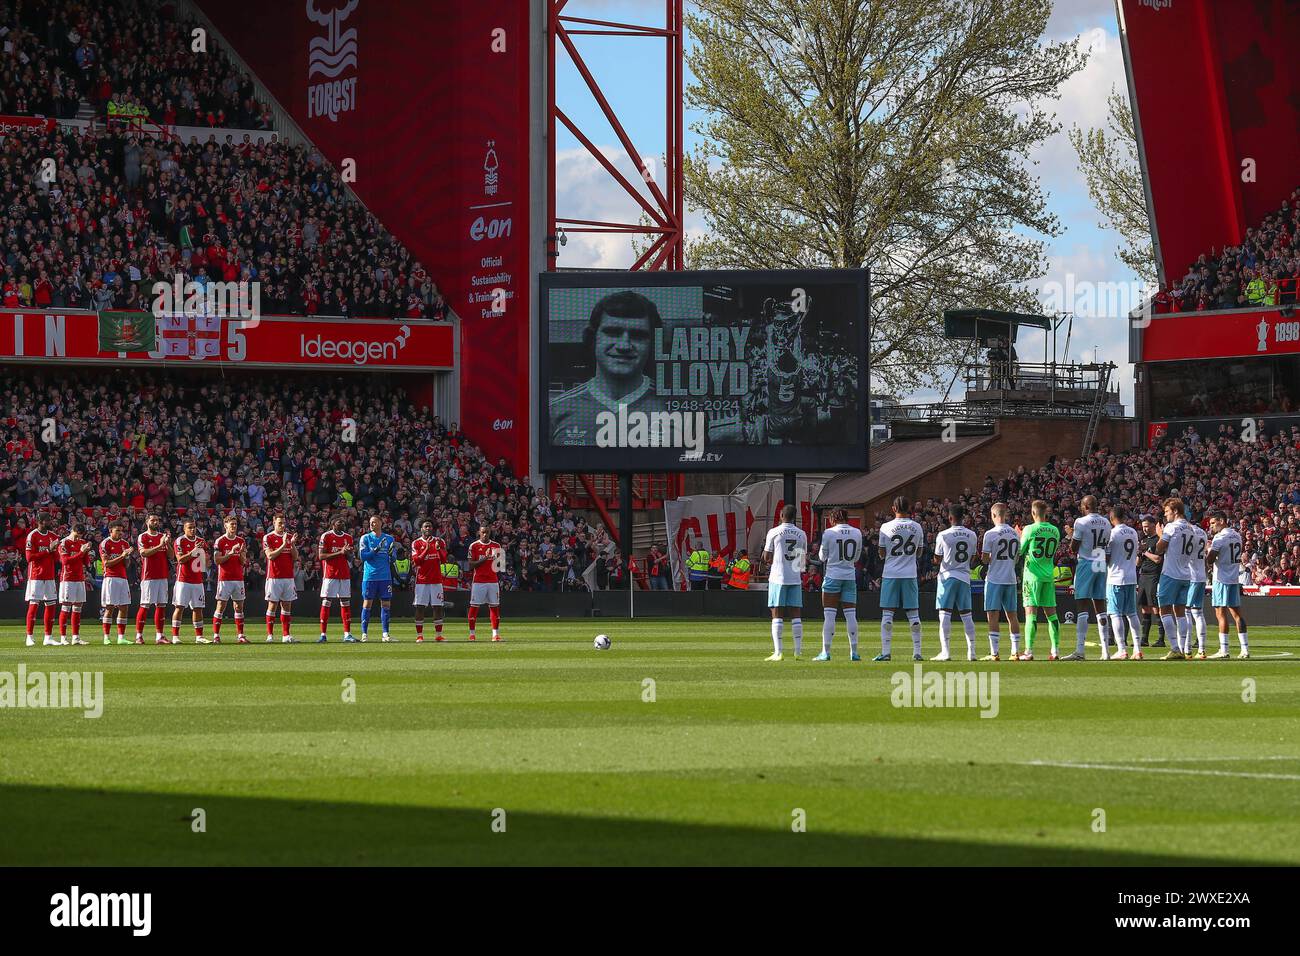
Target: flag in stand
x=126, y=332
x=194, y=336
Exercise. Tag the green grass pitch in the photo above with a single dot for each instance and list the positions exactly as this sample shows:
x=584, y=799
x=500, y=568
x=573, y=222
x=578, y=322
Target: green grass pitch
x=720, y=767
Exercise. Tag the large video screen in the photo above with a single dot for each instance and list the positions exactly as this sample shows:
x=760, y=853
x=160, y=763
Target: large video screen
x=718, y=371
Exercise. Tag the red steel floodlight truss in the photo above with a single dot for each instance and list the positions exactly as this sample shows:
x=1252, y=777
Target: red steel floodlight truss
x=663, y=206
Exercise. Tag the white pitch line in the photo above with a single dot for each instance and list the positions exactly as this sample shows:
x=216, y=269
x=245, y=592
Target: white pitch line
x=1175, y=770
x=1295, y=759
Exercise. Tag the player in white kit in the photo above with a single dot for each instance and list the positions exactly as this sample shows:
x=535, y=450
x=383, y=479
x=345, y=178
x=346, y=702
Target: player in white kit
x=1177, y=547
x=999, y=550
x=1225, y=555
x=1088, y=543
x=1121, y=584
x=954, y=549
x=899, y=543
x=786, y=552
x=840, y=552
x=1196, y=594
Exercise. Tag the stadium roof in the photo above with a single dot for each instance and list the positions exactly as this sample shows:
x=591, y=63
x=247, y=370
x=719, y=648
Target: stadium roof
x=894, y=465
x=987, y=323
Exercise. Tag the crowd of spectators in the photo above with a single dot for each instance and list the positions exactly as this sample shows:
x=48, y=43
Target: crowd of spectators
x=1263, y=271
x=1256, y=483
x=123, y=445
x=124, y=211
x=137, y=54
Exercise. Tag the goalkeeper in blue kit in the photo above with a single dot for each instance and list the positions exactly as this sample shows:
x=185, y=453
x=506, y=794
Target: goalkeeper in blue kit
x=376, y=553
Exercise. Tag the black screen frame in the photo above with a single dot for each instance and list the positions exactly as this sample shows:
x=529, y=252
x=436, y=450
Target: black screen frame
x=734, y=458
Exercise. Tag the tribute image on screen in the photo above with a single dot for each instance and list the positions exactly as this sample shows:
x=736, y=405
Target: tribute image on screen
x=765, y=364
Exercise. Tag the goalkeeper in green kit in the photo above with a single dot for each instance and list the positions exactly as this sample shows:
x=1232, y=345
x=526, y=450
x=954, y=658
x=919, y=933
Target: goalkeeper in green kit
x=1038, y=544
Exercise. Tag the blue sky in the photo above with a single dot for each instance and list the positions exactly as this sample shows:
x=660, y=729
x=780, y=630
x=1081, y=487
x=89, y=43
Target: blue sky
x=630, y=72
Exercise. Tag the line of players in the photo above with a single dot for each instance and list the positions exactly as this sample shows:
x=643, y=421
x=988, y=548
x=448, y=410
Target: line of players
x=230, y=552
x=1105, y=582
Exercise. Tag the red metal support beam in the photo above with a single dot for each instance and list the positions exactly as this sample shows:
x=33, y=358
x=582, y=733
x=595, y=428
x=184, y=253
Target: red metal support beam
x=664, y=207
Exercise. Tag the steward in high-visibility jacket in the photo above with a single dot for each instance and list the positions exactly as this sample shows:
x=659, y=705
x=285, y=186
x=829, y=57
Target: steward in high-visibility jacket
x=717, y=571
x=697, y=569
x=741, y=572
x=451, y=575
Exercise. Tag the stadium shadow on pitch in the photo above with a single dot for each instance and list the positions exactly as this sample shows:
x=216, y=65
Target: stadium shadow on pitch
x=75, y=827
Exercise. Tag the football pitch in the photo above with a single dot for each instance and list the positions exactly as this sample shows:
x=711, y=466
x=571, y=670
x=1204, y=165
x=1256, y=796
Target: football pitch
x=679, y=745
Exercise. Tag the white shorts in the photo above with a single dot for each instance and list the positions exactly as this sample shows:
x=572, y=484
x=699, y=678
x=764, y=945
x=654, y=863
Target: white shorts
x=72, y=592
x=336, y=587
x=153, y=592
x=189, y=595
x=484, y=593
x=230, y=591
x=280, y=589
x=428, y=595
x=42, y=591
x=115, y=592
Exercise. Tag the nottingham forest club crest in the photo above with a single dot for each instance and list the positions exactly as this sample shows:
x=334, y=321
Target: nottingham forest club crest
x=331, y=60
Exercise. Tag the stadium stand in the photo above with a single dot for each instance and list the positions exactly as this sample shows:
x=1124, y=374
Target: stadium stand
x=134, y=53
x=129, y=444
x=126, y=210
x=1263, y=271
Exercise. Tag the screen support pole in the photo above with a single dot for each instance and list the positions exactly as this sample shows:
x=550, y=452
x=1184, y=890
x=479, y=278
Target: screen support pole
x=788, y=493
x=625, y=531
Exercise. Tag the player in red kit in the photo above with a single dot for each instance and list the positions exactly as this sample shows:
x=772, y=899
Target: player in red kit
x=115, y=592
x=486, y=558
x=228, y=552
x=153, y=545
x=191, y=564
x=74, y=556
x=277, y=545
x=336, y=577
x=427, y=555
x=42, y=587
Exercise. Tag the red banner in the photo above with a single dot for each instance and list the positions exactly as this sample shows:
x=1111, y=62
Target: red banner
x=9, y=124
x=1208, y=335
x=269, y=342
x=430, y=100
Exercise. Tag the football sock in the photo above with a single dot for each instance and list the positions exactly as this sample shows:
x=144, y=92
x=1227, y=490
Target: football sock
x=1135, y=627
x=473, y=619
x=139, y=620
x=75, y=619
x=1184, y=635
x=1243, y=640
x=437, y=627
x=31, y=617
x=159, y=615
x=851, y=625
x=1081, y=632
x=270, y=624
x=419, y=629
x=1223, y=642
x=828, y=628
x=49, y=619
x=995, y=638
x=239, y=623
x=324, y=618
x=63, y=622
x=777, y=626
x=1031, y=631
x=216, y=625
x=796, y=631
x=1015, y=642
x=1146, y=629
x=365, y=620
x=385, y=613
x=285, y=621
x=914, y=619
x=1103, y=631
x=968, y=628
x=886, y=631
x=345, y=612
x=198, y=628
x=945, y=632
x=1054, y=632
x=1169, y=627
x=1198, y=621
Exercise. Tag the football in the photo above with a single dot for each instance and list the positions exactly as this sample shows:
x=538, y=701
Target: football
x=601, y=642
